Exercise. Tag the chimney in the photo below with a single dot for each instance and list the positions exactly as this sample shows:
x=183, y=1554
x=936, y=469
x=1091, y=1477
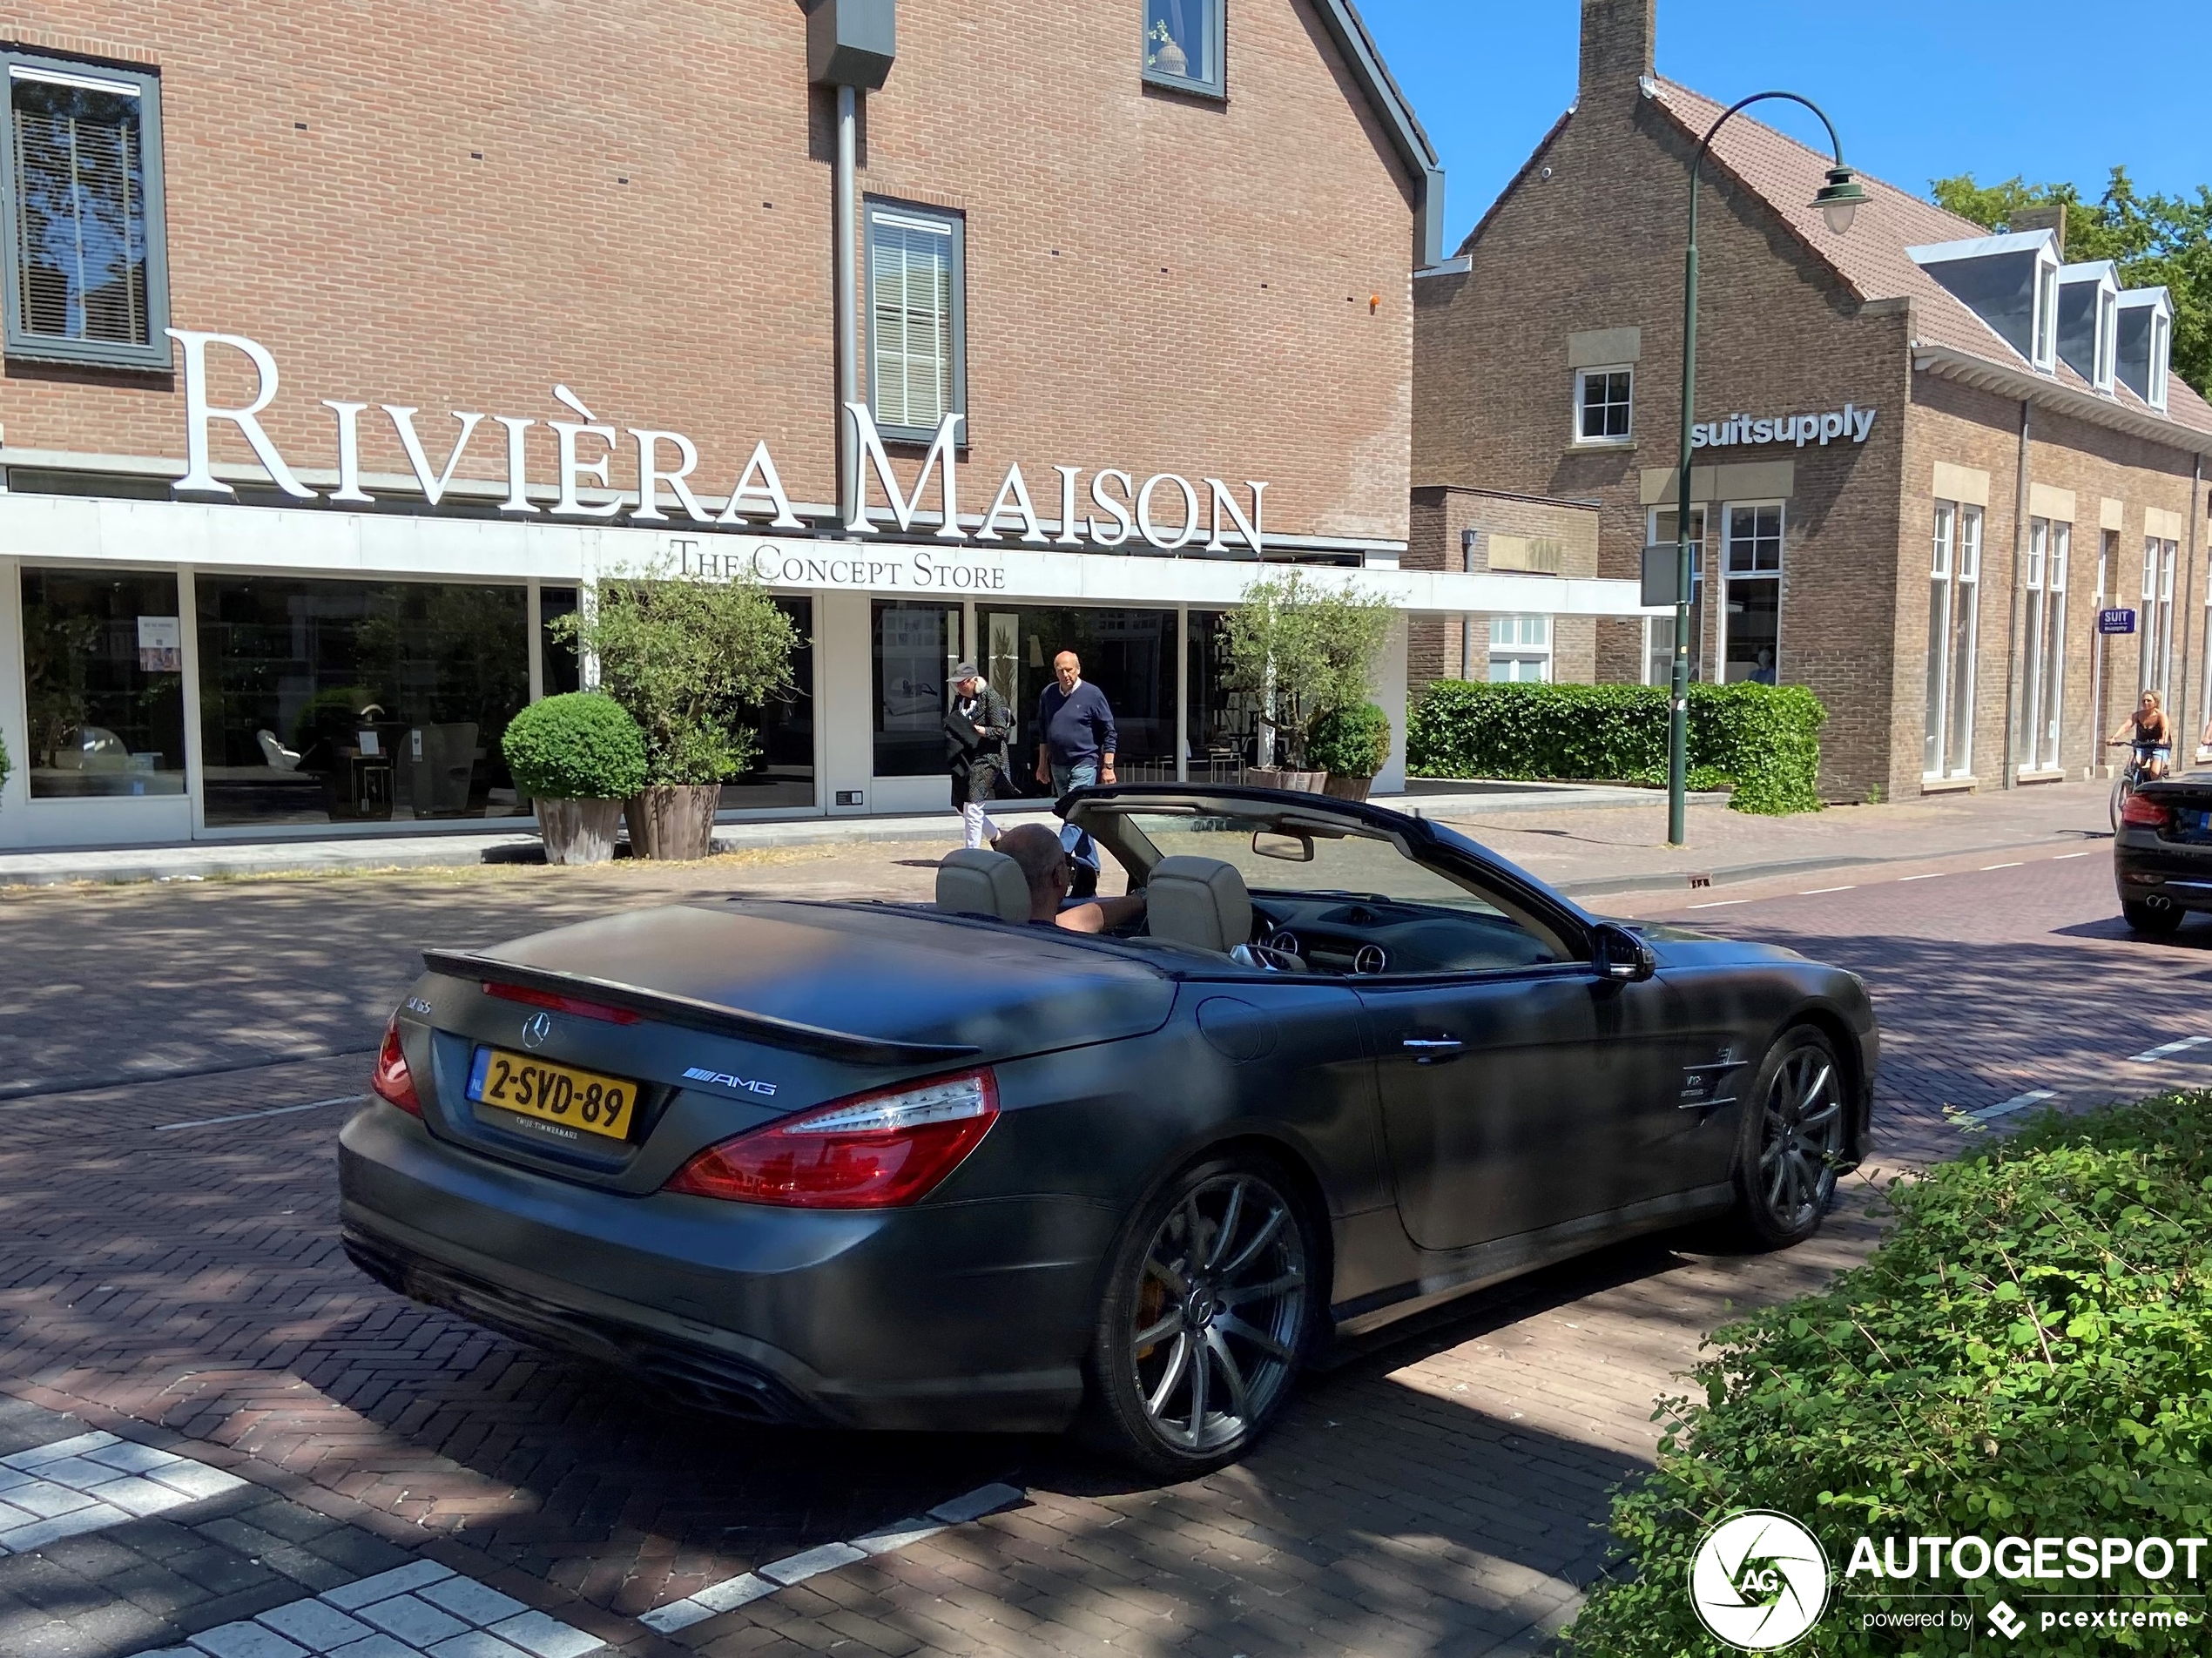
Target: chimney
x=2046, y=216
x=1616, y=46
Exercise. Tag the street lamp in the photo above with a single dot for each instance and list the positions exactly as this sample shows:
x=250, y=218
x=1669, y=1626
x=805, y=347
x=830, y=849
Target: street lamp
x=1838, y=201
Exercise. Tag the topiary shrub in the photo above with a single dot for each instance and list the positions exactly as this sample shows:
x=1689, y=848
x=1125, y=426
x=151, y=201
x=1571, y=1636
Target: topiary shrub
x=2028, y=1354
x=1350, y=742
x=1763, y=741
x=580, y=746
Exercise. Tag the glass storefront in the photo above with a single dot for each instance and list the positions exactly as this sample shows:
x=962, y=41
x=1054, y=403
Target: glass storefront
x=104, y=682
x=782, y=773
x=1130, y=655
x=916, y=648
x=351, y=702
x=1224, y=723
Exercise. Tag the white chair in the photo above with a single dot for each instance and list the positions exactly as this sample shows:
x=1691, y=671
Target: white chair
x=279, y=758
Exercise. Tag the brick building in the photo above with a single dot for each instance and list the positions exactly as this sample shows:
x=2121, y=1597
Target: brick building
x=1927, y=456
x=337, y=341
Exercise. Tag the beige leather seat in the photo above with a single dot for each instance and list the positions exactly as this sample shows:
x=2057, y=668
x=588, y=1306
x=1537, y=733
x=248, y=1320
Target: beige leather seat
x=1200, y=902
x=974, y=882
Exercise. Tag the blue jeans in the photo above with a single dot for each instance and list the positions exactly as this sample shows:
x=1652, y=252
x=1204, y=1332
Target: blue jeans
x=1084, y=774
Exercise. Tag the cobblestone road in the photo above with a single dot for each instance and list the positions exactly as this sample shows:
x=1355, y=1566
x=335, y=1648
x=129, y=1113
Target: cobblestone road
x=179, y=1287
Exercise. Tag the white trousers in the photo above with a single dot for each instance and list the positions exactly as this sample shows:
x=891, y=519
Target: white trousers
x=978, y=829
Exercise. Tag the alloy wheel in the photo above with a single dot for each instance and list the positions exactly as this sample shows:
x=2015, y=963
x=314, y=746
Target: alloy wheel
x=1219, y=1311
x=1801, y=1139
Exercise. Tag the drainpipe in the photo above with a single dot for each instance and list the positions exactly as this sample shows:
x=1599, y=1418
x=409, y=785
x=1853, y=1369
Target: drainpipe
x=2189, y=610
x=850, y=45
x=2013, y=625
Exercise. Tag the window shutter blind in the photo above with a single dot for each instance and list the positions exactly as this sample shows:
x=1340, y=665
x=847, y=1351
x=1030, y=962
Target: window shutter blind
x=910, y=270
x=81, y=229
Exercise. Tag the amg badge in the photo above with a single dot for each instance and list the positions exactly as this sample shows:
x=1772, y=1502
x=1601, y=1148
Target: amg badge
x=700, y=1074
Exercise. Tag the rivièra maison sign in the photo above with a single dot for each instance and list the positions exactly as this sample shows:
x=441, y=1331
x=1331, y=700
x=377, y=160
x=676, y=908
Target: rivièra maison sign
x=1165, y=511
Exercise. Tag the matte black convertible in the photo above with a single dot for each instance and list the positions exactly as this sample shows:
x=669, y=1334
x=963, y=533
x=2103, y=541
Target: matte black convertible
x=897, y=1165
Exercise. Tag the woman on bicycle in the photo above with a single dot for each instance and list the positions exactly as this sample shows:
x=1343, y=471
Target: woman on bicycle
x=2149, y=733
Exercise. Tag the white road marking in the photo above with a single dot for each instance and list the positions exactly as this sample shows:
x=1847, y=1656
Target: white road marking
x=2018, y=1103
x=91, y=1482
x=1717, y=904
x=2015, y=864
x=1931, y=875
x=1810, y=891
x=273, y=1111
x=2167, y=1050
x=2063, y=856
x=412, y=1611
x=747, y=1587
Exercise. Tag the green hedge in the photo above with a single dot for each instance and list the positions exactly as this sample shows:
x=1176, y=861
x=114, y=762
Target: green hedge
x=1762, y=741
x=2028, y=1353
x=1350, y=742
x=580, y=746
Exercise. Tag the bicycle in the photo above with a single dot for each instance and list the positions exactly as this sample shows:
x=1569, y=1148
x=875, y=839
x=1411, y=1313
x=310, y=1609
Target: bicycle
x=2134, y=773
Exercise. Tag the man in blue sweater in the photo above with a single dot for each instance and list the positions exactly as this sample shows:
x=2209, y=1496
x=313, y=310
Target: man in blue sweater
x=1075, y=730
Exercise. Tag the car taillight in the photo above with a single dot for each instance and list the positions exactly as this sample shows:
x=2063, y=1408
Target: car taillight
x=558, y=1003
x=2138, y=809
x=391, y=1080
x=872, y=1151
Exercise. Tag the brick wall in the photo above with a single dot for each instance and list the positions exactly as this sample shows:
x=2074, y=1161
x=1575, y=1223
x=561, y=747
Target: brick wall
x=1440, y=519
x=454, y=206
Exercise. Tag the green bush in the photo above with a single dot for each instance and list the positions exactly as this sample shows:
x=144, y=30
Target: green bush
x=4, y=763
x=581, y=747
x=1761, y=740
x=2028, y=1353
x=1350, y=742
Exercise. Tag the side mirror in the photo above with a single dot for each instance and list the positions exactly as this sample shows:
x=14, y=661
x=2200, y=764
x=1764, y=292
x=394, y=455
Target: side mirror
x=1620, y=955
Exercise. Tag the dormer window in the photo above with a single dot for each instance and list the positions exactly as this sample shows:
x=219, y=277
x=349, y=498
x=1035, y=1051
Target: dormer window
x=2143, y=343
x=2088, y=313
x=2011, y=282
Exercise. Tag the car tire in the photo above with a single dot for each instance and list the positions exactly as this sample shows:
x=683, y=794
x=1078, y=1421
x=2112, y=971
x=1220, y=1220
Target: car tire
x=2160, y=923
x=1209, y=1308
x=1792, y=1132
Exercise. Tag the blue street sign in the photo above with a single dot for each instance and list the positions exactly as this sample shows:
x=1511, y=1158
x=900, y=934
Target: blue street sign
x=2115, y=621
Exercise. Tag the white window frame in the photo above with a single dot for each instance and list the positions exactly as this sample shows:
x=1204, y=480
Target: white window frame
x=909, y=216
x=2155, y=659
x=2043, y=327
x=2161, y=352
x=2050, y=550
x=1607, y=441
x=1653, y=675
x=1955, y=562
x=1731, y=578
x=1522, y=651
x=2108, y=352
x=1216, y=29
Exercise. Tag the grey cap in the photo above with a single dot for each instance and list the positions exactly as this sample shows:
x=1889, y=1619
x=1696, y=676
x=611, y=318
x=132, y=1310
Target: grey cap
x=966, y=670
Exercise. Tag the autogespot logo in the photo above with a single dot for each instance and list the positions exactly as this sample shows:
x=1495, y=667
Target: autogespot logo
x=1758, y=1581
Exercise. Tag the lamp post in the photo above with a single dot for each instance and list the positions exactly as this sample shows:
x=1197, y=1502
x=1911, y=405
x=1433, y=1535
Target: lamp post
x=1839, y=200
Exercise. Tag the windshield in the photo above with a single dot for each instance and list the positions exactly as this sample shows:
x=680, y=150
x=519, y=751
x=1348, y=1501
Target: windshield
x=1306, y=857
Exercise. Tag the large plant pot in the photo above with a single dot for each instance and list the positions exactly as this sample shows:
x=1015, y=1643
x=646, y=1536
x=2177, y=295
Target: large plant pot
x=578, y=832
x=672, y=820
x=1298, y=782
x=1347, y=788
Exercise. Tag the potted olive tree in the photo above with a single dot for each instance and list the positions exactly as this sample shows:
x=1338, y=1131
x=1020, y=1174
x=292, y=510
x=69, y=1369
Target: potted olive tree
x=1303, y=650
x=577, y=758
x=689, y=660
x=1350, y=745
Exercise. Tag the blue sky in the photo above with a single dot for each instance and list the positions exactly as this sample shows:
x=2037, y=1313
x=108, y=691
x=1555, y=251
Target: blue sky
x=1918, y=88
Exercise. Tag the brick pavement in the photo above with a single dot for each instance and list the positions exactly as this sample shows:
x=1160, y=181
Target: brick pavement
x=1436, y=1494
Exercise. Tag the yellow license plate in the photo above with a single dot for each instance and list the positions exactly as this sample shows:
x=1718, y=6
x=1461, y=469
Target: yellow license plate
x=561, y=1093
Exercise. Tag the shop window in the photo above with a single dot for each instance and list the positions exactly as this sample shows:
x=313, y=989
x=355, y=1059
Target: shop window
x=1183, y=44
x=782, y=772
x=1751, y=622
x=1520, y=649
x=1128, y=654
x=1601, y=405
x=1659, y=630
x=1954, y=618
x=1223, y=731
x=916, y=648
x=917, y=319
x=2049, y=547
x=103, y=684
x=353, y=702
x=80, y=196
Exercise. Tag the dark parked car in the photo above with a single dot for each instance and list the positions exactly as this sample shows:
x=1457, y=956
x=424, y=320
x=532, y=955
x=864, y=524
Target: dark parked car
x=2162, y=859
x=898, y=1165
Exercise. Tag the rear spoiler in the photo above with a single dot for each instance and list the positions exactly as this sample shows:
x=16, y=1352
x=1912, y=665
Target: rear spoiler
x=698, y=1015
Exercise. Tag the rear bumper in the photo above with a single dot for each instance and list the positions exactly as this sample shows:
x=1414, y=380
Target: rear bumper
x=2145, y=867
x=973, y=1317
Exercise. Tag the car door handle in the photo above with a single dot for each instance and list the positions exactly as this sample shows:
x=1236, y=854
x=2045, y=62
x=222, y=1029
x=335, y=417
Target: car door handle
x=1427, y=1050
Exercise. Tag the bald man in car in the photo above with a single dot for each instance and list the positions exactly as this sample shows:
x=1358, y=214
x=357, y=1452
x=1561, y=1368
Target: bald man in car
x=1045, y=866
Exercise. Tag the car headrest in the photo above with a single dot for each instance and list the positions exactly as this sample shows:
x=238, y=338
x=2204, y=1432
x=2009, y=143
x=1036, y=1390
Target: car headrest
x=973, y=882
x=1198, y=901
